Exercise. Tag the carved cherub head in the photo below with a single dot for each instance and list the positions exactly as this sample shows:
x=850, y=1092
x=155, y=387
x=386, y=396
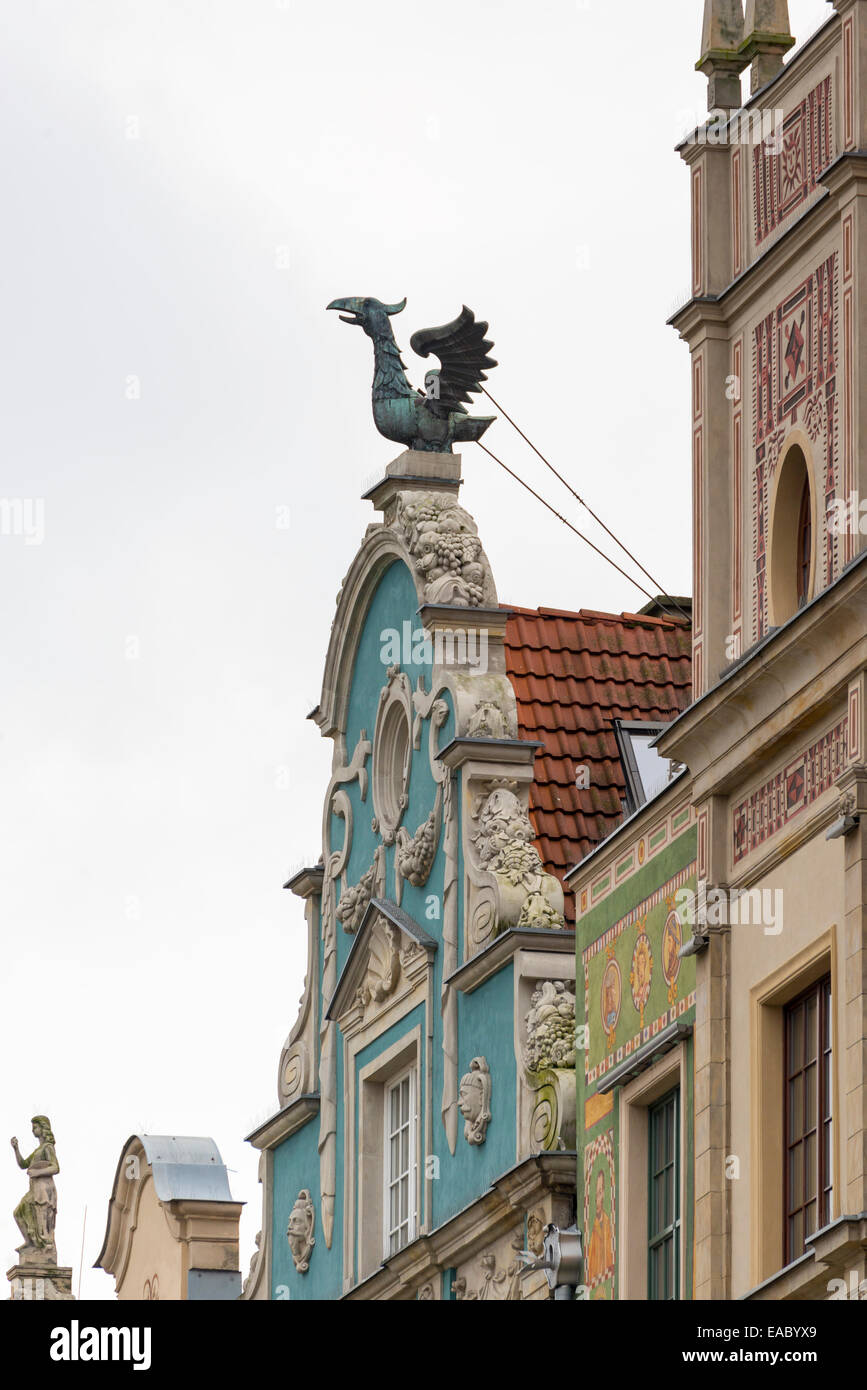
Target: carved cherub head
x=474, y=1101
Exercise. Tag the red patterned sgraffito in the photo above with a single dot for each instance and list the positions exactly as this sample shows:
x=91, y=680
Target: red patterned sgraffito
x=785, y=173
x=788, y=792
x=795, y=358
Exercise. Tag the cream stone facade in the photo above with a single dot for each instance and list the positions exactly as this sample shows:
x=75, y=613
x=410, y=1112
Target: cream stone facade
x=775, y=740
x=172, y=1231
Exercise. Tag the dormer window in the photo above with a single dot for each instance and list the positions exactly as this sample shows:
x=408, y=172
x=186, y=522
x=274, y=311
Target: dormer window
x=645, y=771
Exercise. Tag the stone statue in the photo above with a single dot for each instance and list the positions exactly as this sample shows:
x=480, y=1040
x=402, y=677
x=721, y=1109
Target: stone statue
x=474, y=1101
x=436, y=418
x=36, y=1213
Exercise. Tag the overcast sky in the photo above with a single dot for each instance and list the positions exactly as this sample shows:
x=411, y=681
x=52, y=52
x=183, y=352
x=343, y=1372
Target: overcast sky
x=187, y=184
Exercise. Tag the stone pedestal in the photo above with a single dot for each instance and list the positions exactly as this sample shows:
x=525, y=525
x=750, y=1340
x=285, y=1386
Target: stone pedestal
x=38, y=1282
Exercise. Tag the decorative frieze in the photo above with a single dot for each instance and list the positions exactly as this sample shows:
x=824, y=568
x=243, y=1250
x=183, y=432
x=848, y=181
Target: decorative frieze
x=791, y=790
x=787, y=166
x=493, y=1284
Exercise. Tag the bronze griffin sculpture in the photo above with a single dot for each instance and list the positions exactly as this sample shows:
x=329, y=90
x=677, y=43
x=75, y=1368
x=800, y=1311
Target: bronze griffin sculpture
x=436, y=418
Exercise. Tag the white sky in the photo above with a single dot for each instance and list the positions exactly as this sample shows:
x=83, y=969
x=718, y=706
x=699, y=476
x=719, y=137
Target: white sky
x=517, y=157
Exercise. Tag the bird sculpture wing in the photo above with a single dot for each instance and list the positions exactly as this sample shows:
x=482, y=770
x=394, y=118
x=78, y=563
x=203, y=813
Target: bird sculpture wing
x=462, y=349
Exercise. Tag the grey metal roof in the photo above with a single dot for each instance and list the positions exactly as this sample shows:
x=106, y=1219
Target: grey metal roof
x=186, y=1168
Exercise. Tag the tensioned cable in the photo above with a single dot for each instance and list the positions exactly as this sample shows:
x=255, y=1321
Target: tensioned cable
x=660, y=592
x=584, y=538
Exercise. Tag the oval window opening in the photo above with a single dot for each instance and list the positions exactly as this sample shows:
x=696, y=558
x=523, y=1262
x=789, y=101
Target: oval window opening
x=791, y=550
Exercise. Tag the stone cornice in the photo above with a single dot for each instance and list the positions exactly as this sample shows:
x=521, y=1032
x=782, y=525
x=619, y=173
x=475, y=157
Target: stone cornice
x=286, y=1122
x=307, y=883
x=702, y=314
x=458, y=618
x=487, y=962
x=489, y=750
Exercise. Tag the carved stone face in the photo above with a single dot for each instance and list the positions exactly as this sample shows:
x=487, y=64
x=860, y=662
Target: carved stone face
x=474, y=1101
x=299, y=1231
x=297, y=1222
x=470, y=1097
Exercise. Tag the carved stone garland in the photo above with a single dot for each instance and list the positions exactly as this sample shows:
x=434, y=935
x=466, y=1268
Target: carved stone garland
x=549, y=1057
x=447, y=554
x=517, y=889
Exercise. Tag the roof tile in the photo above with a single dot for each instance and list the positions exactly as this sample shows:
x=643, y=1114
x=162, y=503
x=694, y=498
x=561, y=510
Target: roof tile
x=573, y=675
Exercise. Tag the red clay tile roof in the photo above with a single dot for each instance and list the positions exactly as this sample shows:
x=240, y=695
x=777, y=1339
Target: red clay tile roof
x=573, y=674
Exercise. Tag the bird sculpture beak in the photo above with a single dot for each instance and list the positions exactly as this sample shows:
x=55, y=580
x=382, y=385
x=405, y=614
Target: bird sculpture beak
x=352, y=309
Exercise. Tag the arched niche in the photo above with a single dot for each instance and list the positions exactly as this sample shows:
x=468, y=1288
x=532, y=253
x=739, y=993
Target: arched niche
x=793, y=531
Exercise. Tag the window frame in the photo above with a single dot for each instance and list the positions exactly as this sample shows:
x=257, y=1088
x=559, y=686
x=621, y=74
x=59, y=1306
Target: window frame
x=670, y=1233
x=768, y=997
x=636, y=796
x=822, y=991
x=673, y=1070
x=408, y=1074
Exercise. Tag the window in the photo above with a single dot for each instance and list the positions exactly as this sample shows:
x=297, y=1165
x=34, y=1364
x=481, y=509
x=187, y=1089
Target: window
x=646, y=773
x=808, y=1121
x=663, y=1204
x=401, y=1163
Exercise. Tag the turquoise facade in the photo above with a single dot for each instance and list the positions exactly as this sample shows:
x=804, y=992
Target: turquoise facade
x=485, y=1016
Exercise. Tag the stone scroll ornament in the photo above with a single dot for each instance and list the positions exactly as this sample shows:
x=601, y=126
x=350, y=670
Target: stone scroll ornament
x=335, y=862
x=474, y=1101
x=299, y=1232
x=527, y=895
